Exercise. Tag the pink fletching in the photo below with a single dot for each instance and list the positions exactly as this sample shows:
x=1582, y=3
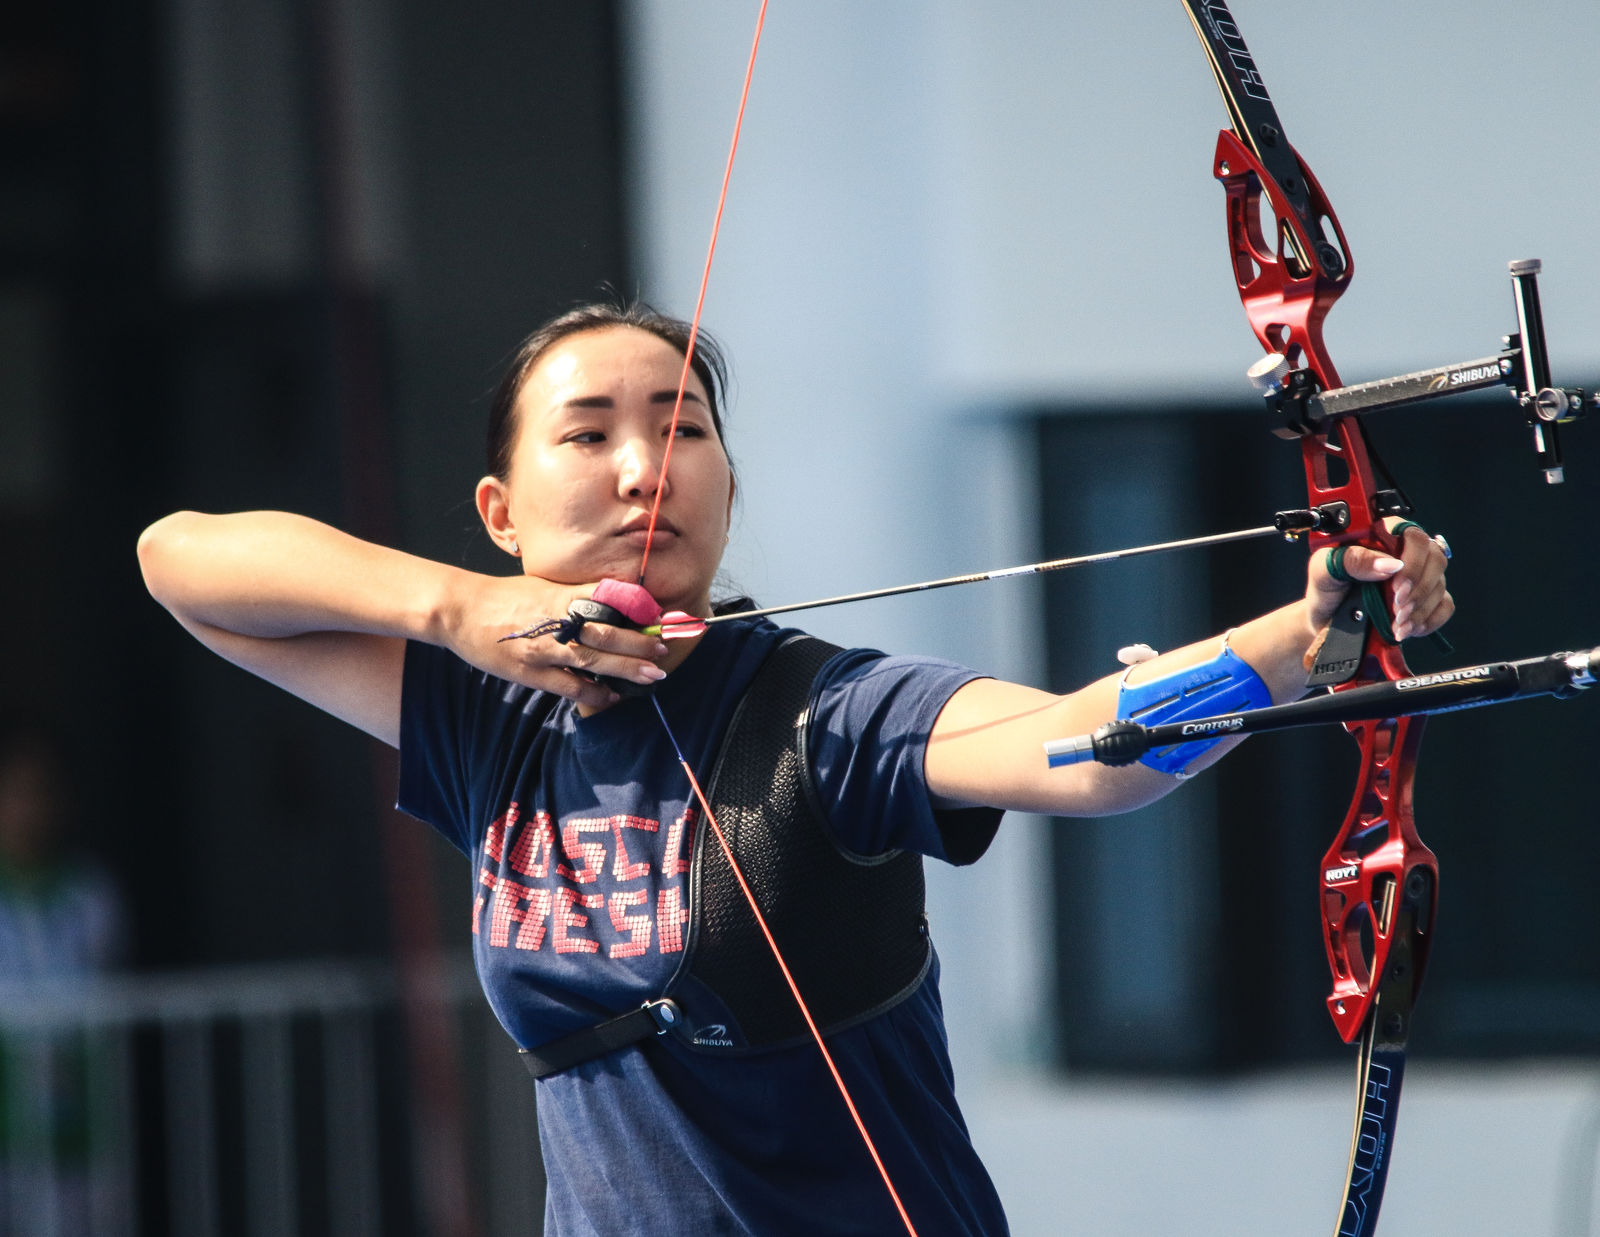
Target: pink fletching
x=630, y=599
x=676, y=625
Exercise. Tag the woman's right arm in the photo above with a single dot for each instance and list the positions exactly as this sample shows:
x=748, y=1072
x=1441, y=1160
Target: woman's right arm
x=326, y=615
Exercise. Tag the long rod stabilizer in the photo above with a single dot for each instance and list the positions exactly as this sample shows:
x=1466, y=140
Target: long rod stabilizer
x=1557, y=674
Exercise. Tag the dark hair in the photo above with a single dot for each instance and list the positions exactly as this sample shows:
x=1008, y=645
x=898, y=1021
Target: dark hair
x=708, y=364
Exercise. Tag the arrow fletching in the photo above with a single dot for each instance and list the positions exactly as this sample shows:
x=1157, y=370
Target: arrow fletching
x=676, y=625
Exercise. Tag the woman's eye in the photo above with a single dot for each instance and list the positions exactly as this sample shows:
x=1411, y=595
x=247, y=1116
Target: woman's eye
x=687, y=430
x=586, y=437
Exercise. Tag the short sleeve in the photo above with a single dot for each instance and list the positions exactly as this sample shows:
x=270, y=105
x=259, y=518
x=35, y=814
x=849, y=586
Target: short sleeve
x=441, y=704
x=868, y=736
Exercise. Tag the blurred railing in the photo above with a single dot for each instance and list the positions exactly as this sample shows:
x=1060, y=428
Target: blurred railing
x=263, y=1102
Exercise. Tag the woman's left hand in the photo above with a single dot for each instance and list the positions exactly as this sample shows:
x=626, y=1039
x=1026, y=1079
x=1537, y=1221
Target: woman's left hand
x=1421, y=602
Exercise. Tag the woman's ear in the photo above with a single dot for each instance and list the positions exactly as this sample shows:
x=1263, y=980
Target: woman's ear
x=494, y=509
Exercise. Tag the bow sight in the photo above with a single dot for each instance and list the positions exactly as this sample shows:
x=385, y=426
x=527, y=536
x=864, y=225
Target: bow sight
x=1296, y=398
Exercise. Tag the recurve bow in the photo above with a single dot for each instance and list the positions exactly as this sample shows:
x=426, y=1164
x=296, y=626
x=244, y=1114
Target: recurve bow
x=1379, y=882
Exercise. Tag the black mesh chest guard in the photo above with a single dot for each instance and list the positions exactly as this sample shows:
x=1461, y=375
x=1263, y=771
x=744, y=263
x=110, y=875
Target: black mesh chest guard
x=852, y=929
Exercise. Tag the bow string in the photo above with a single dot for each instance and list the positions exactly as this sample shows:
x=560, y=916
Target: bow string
x=694, y=782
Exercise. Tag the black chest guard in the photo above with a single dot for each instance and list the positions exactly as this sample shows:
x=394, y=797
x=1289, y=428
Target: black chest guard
x=852, y=928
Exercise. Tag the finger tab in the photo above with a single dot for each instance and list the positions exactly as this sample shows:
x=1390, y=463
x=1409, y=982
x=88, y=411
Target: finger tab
x=629, y=599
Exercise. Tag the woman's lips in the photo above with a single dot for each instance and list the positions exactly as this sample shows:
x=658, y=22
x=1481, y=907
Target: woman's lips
x=639, y=534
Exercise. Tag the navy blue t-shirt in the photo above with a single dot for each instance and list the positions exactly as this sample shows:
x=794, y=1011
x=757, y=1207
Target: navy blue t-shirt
x=580, y=832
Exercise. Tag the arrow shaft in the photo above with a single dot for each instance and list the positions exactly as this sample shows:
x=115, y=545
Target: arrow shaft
x=1027, y=569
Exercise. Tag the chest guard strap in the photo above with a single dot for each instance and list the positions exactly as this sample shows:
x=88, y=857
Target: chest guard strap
x=852, y=928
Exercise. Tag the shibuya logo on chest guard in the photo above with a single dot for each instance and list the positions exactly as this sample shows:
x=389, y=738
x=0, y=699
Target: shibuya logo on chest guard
x=713, y=1036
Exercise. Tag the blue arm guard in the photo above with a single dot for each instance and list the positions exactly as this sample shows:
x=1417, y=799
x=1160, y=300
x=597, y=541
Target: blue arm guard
x=1225, y=684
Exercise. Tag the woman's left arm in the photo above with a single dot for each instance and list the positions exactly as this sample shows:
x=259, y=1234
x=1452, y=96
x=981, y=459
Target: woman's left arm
x=986, y=746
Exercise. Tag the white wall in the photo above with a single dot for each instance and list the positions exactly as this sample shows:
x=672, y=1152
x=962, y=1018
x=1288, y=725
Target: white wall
x=943, y=210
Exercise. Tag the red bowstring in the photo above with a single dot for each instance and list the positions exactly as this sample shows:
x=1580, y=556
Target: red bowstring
x=788, y=978
x=700, y=301
x=655, y=511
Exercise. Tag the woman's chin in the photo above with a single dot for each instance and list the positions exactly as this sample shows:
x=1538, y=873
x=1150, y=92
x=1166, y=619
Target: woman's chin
x=672, y=581
x=697, y=603
x=692, y=597
x=667, y=586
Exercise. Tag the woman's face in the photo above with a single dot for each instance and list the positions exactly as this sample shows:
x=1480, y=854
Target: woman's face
x=592, y=422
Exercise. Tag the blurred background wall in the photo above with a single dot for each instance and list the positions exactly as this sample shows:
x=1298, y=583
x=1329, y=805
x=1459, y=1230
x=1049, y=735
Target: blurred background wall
x=973, y=279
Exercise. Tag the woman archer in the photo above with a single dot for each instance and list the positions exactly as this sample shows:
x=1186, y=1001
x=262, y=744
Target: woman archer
x=594, y=891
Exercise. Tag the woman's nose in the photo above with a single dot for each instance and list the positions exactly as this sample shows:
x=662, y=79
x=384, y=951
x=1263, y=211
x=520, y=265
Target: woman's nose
x=639, y=468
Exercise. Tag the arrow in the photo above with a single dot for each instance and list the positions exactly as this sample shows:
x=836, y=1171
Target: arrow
x=1290, y=525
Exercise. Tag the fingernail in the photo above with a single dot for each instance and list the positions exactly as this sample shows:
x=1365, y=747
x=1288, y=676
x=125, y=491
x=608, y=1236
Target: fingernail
x=1384, y=563
x=661, y=648
x=651, y=674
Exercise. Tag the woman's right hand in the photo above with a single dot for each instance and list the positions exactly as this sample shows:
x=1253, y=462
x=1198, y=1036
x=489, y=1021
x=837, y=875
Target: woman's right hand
x=495, y=606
